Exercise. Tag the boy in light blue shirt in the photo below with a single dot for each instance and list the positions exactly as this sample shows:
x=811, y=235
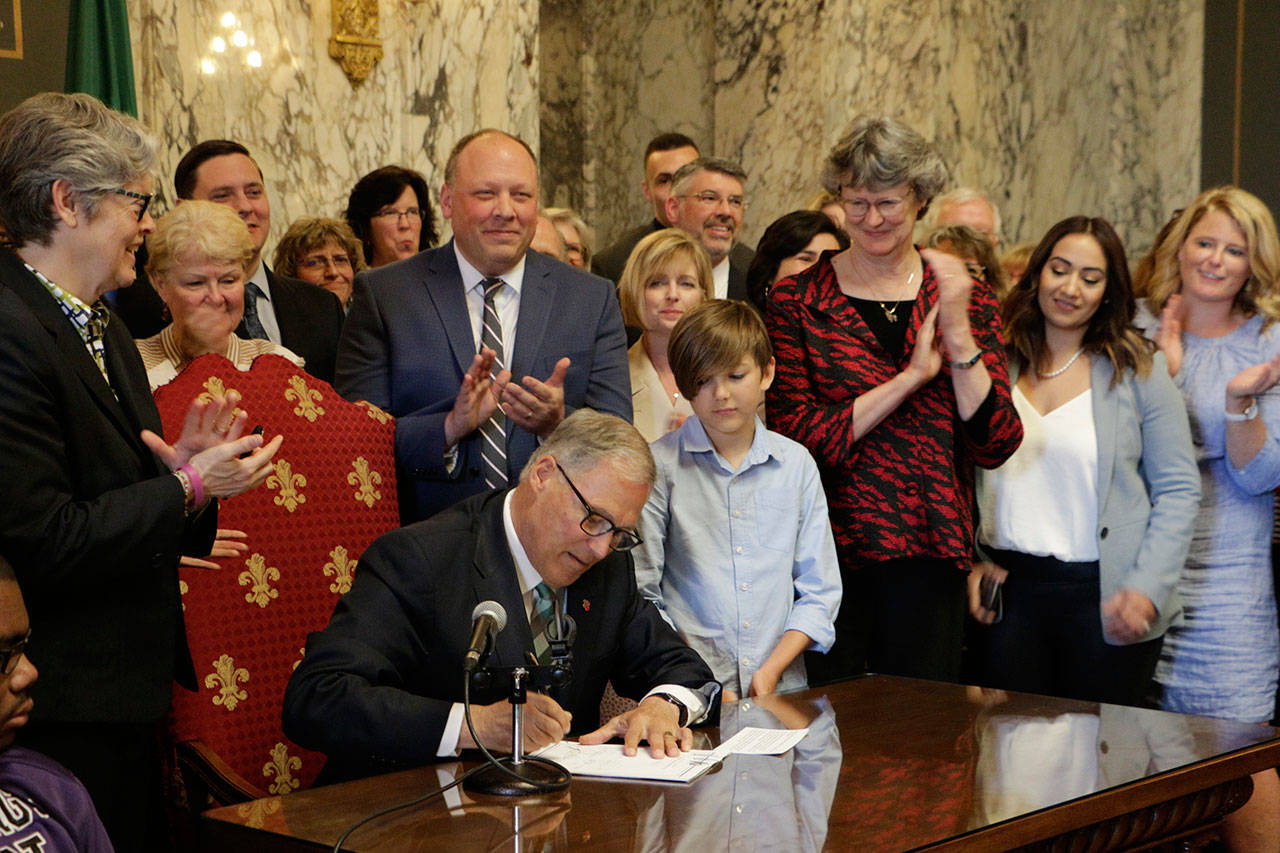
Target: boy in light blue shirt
x=737, y=553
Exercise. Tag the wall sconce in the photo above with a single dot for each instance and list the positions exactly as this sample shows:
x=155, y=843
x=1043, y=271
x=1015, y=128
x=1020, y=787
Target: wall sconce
x=355, y=42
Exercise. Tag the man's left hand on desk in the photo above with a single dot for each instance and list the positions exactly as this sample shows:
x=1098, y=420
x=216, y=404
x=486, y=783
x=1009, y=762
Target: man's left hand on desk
x=655, y=721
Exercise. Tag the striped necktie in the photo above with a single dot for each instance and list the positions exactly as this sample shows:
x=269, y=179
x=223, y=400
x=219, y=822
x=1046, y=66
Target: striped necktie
x=252, y=323
x=493, y=447
x=544, y=609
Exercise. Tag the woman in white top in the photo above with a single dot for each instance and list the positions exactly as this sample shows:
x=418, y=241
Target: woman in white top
x=198, y=256
x=667, y=274
x=1088, y=524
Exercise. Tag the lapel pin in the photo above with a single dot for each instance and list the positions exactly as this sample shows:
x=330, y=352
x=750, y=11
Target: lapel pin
x=586, y=606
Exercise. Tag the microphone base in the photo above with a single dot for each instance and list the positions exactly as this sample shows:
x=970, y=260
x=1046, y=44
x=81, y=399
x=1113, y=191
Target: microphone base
x=542, y=777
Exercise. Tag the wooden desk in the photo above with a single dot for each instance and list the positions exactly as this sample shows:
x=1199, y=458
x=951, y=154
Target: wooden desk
x=889, y=764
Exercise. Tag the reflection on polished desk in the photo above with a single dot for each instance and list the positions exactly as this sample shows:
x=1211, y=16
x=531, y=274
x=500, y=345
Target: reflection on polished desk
x=889, y=764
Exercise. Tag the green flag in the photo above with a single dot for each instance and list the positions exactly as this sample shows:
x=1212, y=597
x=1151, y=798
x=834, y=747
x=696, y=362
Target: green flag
x=99, y=61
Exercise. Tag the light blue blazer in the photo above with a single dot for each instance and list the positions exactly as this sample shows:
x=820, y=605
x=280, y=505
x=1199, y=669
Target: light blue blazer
x=1148, y=485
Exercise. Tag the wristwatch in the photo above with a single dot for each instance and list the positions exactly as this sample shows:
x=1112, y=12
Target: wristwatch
x=1247, y=415
x=680, y=706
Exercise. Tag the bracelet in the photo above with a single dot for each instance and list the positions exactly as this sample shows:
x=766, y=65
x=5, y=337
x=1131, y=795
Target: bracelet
x=968, y=363
x=197, y=484
x=188, y=493
x=1247, y=415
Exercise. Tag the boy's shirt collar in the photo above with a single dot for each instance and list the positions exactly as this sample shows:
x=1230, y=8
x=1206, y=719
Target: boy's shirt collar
x=694, y=439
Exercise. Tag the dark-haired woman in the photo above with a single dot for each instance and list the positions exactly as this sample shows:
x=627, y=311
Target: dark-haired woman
x=1089, y=522
x=390, y=211
x=791, y=244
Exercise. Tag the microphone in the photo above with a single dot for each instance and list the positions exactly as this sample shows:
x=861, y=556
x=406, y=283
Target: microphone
x=487, y=620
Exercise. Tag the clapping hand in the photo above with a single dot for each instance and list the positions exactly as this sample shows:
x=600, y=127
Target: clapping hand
x=1169, y=336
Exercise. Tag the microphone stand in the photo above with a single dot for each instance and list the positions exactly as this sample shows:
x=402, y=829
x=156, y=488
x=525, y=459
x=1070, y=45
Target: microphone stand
x=521, y=775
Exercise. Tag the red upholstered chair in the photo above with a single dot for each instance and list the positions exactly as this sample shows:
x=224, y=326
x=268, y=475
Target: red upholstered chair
x=332, y=493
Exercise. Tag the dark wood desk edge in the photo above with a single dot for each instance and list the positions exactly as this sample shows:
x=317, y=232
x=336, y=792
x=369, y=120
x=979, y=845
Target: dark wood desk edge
x=1124, y=800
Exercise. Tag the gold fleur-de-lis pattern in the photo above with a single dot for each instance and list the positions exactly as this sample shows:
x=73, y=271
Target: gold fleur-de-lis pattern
x=255, y=812
x=289, y=484
x=374, y=412
x=342, y=568
x=367, y=481
x=260, y=576
x=226, y=679
x=282, y=766
x=302, y=651
x=213, y=386
x=308, y=398
x=182, y=590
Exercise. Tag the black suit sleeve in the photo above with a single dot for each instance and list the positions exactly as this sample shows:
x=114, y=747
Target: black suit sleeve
x=650, y=652
x=372, y=693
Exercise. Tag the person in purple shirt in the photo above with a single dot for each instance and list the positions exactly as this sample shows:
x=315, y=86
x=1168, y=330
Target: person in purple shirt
x=42, y=806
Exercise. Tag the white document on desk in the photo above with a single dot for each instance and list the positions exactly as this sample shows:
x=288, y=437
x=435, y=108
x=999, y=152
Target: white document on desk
x=607, y=760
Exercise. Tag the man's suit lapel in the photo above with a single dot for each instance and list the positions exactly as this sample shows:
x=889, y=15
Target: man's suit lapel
x=443, y=286
x=290, y=320
x=536, y=301
x=494, y=578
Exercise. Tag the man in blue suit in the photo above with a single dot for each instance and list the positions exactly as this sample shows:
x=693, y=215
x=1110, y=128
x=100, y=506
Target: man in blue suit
x=481, y=347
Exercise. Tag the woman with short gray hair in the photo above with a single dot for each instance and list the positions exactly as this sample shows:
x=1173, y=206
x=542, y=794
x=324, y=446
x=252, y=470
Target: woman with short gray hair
x=96, y=506
x=891, y=371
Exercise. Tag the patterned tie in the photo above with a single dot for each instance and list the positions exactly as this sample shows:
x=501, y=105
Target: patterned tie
x=544, y=608
x=252, y=324
x=493, y=448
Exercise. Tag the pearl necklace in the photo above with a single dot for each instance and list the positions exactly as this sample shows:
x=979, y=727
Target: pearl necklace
x=1063, y=369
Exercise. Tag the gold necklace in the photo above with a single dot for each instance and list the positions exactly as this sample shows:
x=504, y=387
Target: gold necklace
x=890, y=314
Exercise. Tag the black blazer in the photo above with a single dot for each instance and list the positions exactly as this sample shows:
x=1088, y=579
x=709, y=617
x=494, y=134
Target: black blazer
x=375, y=687
x=310, y=320
x=740, y=258
x=91, y=520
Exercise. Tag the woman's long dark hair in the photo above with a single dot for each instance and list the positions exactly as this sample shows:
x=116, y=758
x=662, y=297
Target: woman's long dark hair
x=786, y=236
x=1110, y=333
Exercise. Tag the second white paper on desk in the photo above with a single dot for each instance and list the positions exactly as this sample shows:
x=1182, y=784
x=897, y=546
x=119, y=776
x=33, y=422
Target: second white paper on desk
x=607, y=760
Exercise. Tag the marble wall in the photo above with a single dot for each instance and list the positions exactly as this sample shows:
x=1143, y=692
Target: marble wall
x=1053, y=110
x=448, y=68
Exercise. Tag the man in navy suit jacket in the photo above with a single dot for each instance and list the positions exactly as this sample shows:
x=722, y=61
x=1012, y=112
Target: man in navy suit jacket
x=411, y=343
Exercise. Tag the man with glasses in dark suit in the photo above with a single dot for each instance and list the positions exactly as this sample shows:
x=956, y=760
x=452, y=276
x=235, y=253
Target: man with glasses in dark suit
x=381, y=687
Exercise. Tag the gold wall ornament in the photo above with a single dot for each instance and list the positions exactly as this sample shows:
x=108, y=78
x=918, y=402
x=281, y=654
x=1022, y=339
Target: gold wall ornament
x=342, y=568
x=255, y=813
x=306, y=397
x=289, y=485
x=282, y=766
x=368, y=481
x=355, y=42
x=261, y=576
x=374, y=412
x=228, y=675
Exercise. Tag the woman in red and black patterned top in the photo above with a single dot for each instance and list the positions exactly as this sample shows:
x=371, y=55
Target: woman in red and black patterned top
x=891, y=371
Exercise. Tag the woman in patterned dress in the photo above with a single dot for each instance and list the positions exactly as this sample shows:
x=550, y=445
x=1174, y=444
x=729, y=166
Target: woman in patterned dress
x=891, y=371
x=1213, y=304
